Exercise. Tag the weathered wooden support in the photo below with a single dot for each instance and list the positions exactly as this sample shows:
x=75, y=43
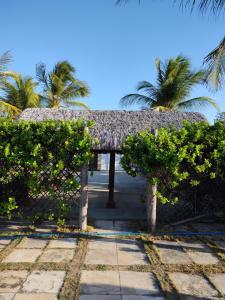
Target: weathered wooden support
x=83, y=209
x=111, y=202
x=151, y=201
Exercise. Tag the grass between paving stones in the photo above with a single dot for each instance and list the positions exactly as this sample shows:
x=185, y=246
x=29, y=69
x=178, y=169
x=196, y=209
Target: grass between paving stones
x=70, y=289
x=161, y=270
x=157, y=268
x=220, y=253
x=8, y=249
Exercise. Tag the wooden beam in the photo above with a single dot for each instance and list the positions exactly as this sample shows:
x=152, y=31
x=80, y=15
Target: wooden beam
x=83, y=207
x=111, y=202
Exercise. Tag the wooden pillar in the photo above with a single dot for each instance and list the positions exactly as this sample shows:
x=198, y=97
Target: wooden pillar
x=151, y=203
x=111, y=202
x=83, y=208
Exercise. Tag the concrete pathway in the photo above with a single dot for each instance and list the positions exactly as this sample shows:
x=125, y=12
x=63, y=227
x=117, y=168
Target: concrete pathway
x=112, y=267
x=130, y=284
x=35, y=285
x=129, y=193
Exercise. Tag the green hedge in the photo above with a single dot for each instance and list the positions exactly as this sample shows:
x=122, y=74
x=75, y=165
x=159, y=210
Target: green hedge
x=40, y=156
x=190, y=157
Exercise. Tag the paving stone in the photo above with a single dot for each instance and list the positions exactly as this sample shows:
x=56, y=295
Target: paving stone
x=128, y=258
x=192, y=285
x=6, y=296
x=57, y=255
x=63, y=243
x=138, y=283
x=10, y=281
x=100, y=283
x=102, y=226
x=99, y=297
x=101, y=257
x=172, y=253
x=4, y=243
x=32, y=243
x=23, y=255
x=104, y=243
x=38, y=296
x=139, y=297
x=130, y=253
x=44, y=282
x=200, y=253
x=219, y=282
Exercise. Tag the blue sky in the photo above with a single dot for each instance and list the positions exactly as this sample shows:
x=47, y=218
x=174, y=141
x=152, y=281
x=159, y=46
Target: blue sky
x=112, y=47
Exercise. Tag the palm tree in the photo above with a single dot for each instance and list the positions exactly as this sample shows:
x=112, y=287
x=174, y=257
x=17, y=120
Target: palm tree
x=60, y=87
x=6, y=109
x=5, y=59
x=174, y=83
x=19, y=93
x=203, y=5
x=215, y=61
x=216, y=58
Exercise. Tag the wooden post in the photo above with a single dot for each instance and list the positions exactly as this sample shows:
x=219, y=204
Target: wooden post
x=111, y=202
x=83, y=209
x=151, y=201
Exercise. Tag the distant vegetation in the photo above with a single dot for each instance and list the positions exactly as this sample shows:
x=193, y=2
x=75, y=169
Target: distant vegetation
x=174, y=83
x=59, y=87
x=215, y=60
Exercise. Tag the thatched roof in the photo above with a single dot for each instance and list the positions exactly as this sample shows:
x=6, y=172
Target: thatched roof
x=112, y=126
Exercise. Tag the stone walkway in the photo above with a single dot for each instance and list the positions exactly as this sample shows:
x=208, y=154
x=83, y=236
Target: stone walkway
x=112, y=268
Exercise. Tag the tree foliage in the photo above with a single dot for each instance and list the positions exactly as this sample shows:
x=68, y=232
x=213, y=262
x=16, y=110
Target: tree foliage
x=174, y=83
x=37, y=157
x=20, y=92
x=6, y=109
x=191, y=155
x=214, y=6
x=60, y=86
x=215, y=62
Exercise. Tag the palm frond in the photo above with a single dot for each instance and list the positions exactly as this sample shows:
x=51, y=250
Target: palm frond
x=196, y=102
x=9, y=109
x=77, y=103
x=215, y=61
x=174, y=82
x=20, y=92
x=41, y=74
x=148, y=88
x=214, y=6
x=160, y=73
x=60, y=85
x=203, y=6
x=5, y=59
x=136, y=99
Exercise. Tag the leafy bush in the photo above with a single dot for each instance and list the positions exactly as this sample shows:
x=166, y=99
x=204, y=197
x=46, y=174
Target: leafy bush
x=38, y=157
x=188, y=157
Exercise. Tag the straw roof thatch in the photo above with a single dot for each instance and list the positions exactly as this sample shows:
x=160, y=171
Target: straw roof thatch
x=112, y=126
